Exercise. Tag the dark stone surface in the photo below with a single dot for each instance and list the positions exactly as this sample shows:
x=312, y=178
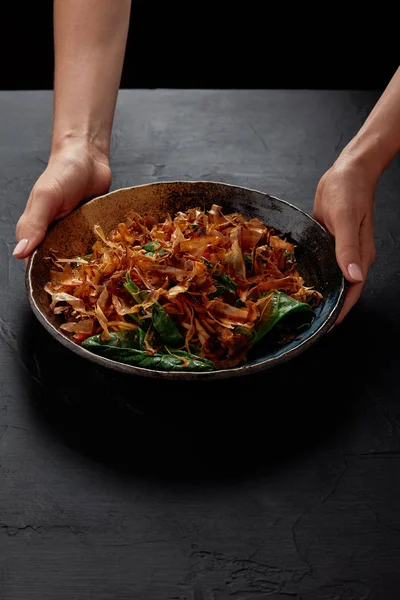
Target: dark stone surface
x=277, y=486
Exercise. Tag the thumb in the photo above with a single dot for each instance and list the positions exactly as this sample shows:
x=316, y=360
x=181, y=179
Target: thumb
x=31, y=228
x=347, y=239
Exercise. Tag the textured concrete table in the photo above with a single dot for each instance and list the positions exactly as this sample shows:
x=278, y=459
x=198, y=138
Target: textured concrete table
x=285, y=485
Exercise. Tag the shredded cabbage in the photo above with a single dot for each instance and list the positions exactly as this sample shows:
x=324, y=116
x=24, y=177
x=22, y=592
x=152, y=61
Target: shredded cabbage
x=213, y=275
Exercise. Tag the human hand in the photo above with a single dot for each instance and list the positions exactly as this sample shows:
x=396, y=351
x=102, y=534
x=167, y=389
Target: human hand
x=74, y=173
x=344, y=205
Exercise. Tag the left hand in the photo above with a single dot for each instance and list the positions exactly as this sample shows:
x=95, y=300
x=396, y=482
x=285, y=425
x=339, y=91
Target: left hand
x=344, y=205
x=73, y=174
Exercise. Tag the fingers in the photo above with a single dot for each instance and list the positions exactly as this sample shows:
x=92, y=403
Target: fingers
x=367, y=255
x=41, y=209
x=352, y=298
x=348, y=250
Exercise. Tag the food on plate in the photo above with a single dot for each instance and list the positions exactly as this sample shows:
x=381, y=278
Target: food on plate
x=194, y=292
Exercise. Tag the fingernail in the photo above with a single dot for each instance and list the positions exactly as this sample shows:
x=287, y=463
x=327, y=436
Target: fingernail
x=355, y=272
x=21, y=247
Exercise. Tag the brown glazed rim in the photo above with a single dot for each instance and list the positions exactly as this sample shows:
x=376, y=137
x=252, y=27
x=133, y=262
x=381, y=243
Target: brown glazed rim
x=187, y=375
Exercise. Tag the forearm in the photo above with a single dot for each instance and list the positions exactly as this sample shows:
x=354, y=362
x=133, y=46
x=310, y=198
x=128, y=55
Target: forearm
x=378, y=140
x=89, y=41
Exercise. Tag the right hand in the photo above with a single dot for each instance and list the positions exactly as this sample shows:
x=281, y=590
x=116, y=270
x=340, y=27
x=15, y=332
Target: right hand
x=344, y=205
x=74, y=173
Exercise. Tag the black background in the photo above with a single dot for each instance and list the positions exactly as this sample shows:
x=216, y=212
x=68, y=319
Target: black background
x=219, y=45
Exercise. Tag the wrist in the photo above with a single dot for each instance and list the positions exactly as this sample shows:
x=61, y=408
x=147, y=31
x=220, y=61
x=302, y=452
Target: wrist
x=95, y=145
x=368, y=153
